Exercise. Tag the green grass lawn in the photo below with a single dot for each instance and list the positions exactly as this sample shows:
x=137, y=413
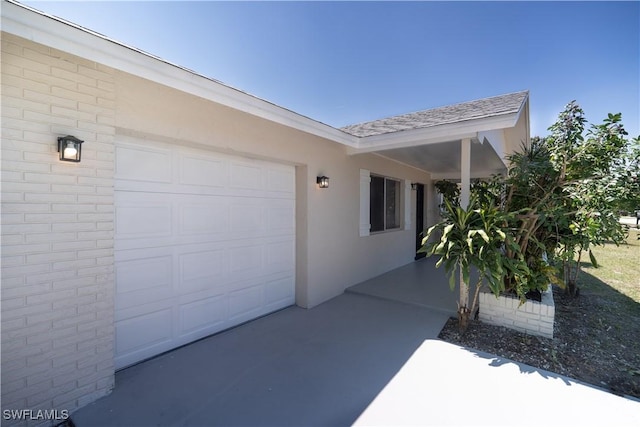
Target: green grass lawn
x=619, y=269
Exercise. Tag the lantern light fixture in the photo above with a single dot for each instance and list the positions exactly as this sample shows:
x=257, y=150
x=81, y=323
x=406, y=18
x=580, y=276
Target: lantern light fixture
x=322, y=181
x=69, y=148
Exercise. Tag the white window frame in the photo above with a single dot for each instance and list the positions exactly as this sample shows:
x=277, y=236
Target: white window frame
x=404, y=205
x=397, y=211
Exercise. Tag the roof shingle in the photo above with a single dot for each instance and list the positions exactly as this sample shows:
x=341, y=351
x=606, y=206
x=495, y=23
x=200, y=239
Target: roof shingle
x=481, y=108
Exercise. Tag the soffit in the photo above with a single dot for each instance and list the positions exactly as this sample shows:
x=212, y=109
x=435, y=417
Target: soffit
x=443, y=158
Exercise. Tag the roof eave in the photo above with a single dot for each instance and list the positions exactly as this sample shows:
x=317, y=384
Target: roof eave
x=435, y=134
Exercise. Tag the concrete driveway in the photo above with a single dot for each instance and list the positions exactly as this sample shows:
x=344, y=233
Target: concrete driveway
x=367, y=357
x=296, y=367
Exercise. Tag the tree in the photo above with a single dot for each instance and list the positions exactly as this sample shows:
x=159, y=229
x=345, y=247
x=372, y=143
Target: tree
x=561, y=195
x=629, y=175
x=473, y=238
x=532, y=187
x=596, y=177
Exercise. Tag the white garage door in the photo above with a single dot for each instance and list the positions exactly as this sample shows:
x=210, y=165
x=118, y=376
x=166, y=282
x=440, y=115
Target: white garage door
x=203, y=242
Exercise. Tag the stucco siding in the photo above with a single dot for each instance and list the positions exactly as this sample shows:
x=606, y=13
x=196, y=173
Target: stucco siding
x=57, y=229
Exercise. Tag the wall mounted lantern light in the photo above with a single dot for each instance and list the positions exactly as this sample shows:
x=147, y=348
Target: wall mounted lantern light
x=69, y=148
x=414, y=185
x=322, y=181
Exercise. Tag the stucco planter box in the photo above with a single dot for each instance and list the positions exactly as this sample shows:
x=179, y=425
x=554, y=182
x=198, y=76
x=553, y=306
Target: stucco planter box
x=532, y=317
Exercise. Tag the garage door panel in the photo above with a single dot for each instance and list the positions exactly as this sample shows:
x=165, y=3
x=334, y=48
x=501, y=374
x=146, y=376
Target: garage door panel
x=246, y=176
x=203, y=190
x=246, y=217
x=133, y=303
x=245, y=304
x=141, y=253
x=278, y=216
x=142, y=163
x=246, y=261
x=204, y=315
x=280, y=256
x=134, y=220
x=144, y=331
x=203, y=171
x=140, y=303
x=202, y=270
x=143, y=277
x=204, y=250
x=144, y=273
x=280, y=290
x=209, y=216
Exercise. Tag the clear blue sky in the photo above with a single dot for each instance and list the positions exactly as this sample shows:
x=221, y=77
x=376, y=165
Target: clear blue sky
x=342, y=63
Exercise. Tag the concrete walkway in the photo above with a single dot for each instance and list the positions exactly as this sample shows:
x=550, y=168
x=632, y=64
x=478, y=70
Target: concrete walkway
x=446, y=385
x=418, y=283
x=369, y=356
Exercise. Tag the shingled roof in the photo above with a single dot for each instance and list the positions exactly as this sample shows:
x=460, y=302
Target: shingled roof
x=481, y=108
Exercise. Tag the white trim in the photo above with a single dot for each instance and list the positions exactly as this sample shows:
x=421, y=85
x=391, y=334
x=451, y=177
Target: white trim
x=365, y=201
x=523, y=105
x=38, y=27
x=407, y=204
x=432, y=135
x=465, y=172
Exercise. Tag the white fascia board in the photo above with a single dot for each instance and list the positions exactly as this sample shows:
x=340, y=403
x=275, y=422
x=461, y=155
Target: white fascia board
x=523, y=107
x=392, y=141
x=433, y=135
x=527, y=118
x=32, y=25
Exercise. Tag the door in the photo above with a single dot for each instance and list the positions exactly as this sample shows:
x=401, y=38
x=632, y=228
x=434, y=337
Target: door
x=203, y=242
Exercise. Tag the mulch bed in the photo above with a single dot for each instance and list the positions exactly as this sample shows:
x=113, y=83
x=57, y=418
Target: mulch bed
x=595, y=341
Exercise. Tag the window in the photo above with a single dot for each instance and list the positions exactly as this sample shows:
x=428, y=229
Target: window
x=384, y=206
x=381, y=204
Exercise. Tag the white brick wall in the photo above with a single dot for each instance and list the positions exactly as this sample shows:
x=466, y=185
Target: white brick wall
x=532, y=317
x=57, y=229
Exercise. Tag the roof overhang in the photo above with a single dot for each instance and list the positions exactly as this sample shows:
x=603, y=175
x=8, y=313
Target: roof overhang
x=433, y=134
x=443, y=160
x=437, y=149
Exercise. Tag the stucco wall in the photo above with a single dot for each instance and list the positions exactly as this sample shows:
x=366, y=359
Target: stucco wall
x=57, y=229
